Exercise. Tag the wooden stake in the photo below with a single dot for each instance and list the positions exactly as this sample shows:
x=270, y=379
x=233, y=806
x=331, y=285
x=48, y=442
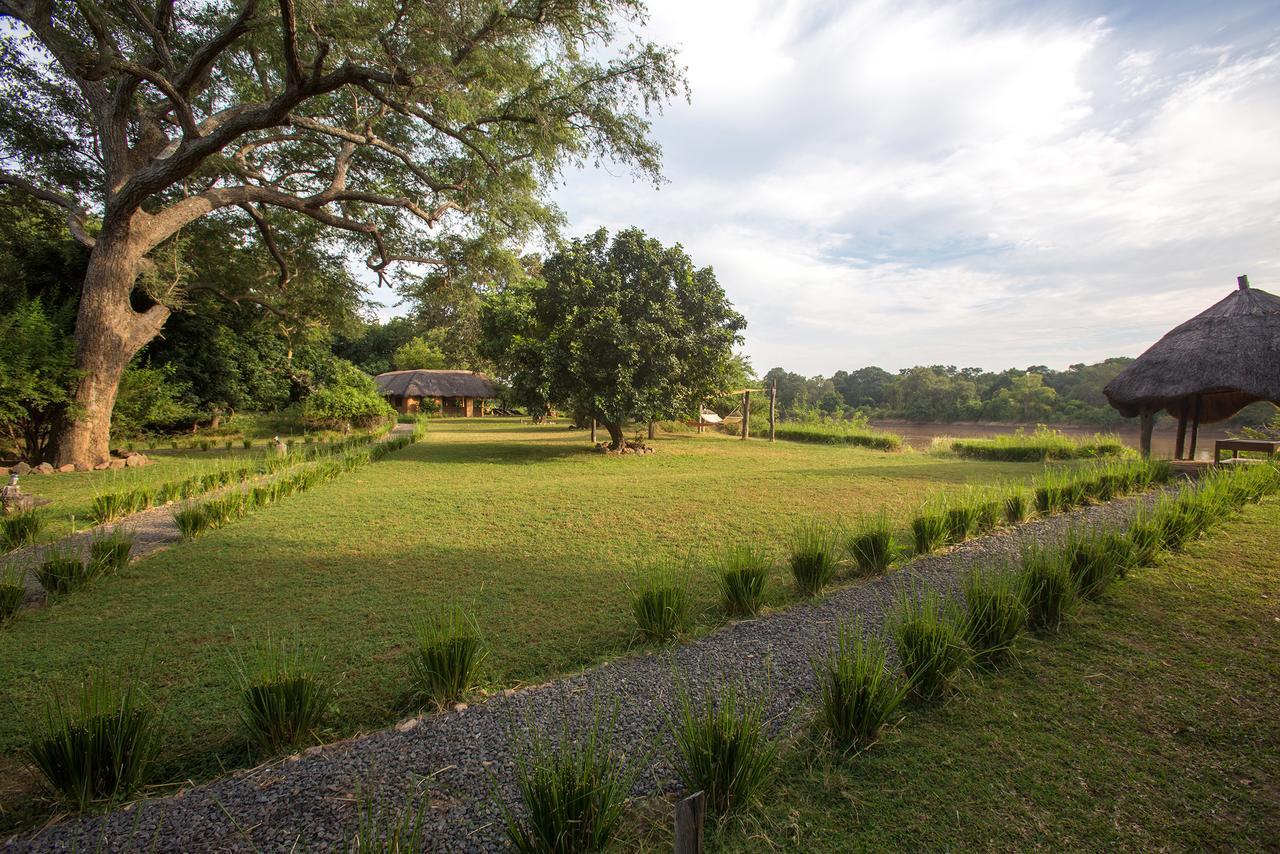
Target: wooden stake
x=773, y=408
x=593, y=431
x=1147, y=422
x=691, y=812
x=746, y=415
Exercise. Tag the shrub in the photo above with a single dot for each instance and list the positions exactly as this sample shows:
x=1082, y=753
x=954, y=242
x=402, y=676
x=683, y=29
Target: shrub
x=929, y=637
x=351, y=398
x=191, y=521
x=858, y=692
x=1046, y=586
x=20, y=529
x=246, y=443
x=928, y=531
x=1145, y=539
x=282, y=697
x=102, y=749
x=994, y=614
x=573, y=791
x=660, y=603
x=13, y=592
x=743, y=574
x=63, y=572
x=385, y=827
x=1095, y=560
x=1042, y=445
x=109, y=553
x=722, y=748
x=812, y=558
x=1017, y=508
x=205, y=445
x=871, y=545
x=109, y=506
x=838, y=433
x=447, y=657
x=961, y=517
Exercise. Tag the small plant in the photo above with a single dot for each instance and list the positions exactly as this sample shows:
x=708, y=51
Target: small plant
x=813, y=558
x=246, y=443
x=573, y=790
x=282, y=697
x=109, y=506
x=191, y=521
x=13, y=592
x=929, y=637
x=1145, y=539
x=174, y=444
x=1095, y=560
x=660, y=603
x=447, y=658
x=994, y=615
x=928, y=532
x=20, y=529
x=204, y=445
x=743, y=573
x=859, y=694
x=1017, y=508
x=1046, y=587
x=102, y=749
x=722, y=748
x=109, y=553
x=387, y=827
x=871, y=546
x=989, y=514
x=63, y=572
x=961, y=516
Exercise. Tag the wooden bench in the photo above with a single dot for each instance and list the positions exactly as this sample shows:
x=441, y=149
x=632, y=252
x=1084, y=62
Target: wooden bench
x=1235, y=446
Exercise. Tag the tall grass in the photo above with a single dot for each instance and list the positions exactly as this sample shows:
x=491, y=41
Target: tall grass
x=722, y=748
x=386, y=826
x=1017, y=506
x=1039, y=446
x=100, y=748
x=13, y=592
x=838, y=433
x=63, y=571
x=1046, y=587
x=858, y=693
x=812, y=557
x=573, y=789
x=660, y=602
x=742, y=574
x=871, y=545
x=995, y=614
x=282, y=696
x=929, y=635
x=109, y=553
x=929, y=530
x=447, y=656
x=20, y=529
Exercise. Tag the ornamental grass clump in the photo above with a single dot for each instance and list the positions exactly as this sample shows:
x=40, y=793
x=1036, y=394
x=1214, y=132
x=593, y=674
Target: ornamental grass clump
x=13, y=592
x=1017, y=506
x=99, y=749
x=929, y=636
x=447, y=655
x=660, y=602
x=871, y=545
x=742, y=574
x=858, y=693
x=109, y=553
x=63, y=571
x=282, y=696
x=812, y=558
x=995, y=614
x=928, y=531
x=20, y=529
x=191, y=521
x=722, y=748
x=1144, y=539
x=388, y=826
x=961, y=515
x=1046, y=587
x=110, y=506
x=573, y=788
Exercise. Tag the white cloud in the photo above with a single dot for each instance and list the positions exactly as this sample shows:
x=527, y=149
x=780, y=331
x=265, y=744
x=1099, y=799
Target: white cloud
x=976, y=184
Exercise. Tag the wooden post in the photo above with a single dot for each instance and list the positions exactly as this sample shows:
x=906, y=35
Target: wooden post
x=1182, y=433
x=773, y=408
x=1195, y=429
x=652, y=427
x=691, y=812
x=593, y=431
x=1147, y=422
x=746, y=415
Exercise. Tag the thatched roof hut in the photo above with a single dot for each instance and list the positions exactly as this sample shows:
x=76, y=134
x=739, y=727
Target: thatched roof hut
x=1207, y=369
x=454, y=392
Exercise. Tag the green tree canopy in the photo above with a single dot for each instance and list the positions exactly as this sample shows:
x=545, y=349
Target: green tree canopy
x=418, y=354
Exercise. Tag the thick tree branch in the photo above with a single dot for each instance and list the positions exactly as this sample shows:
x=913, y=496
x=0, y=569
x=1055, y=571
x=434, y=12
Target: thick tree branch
x=204, y=58
x=75, y=213
x=269, y=240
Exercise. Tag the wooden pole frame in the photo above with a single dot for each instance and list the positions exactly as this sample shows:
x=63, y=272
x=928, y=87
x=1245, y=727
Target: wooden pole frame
x=773, y=408
x=1182, y=433
x=1146, y=423
x=746, y=415
x=1195, y=428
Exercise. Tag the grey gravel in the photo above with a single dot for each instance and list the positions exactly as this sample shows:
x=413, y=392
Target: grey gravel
x=462, y=758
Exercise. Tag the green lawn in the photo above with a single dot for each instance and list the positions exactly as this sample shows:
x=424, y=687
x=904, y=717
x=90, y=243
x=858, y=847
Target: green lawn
x=524, y=522
x=1149, y=723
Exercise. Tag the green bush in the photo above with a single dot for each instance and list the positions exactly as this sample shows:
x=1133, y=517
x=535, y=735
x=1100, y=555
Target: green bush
x=1017, y=508
x=812, y=558
x=109, y=553
x=282, y=696
x=995, y=614
x=573, y=790
x=722, y=748
x=871, y=546
x=742, y=574
x=101, y=750
x=929, y=637
x=13, y=592
x=928, y=531
x=447, y=656
x=858, y=692
x=350, y=399
x=838, y=433
x=1046, y=586
x=20, y=529
x=660, y=602
x=63, y=571
x=1042, y=445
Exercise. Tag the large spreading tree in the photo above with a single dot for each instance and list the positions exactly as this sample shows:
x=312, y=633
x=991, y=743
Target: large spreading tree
x=621, y=331
x=395, y=124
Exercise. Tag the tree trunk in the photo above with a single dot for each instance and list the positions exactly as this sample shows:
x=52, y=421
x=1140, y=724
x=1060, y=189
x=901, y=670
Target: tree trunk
x=615, y=434
x=108, y=334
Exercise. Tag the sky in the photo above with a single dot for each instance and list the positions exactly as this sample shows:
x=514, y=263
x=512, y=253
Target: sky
x=973, y=183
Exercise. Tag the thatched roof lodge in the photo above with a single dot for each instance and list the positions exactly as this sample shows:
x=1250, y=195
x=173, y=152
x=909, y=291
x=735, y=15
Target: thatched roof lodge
x=461, y=393
x=1207, y=369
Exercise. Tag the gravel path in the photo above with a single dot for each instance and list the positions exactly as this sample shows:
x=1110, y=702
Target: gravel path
x=308, y=802
x=151, y=529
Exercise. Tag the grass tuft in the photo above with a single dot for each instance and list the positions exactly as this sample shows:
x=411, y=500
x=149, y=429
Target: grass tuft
x=20, y=529
x=447, y=657
x=660, y=602
x=858, y=692
x=742, y=574
x=722, y=748
x=109, y=553
x=13, y=592
x=995, y=615
x=63, y=571
x=387, y=827
x=929, y=636
x=928, y=531
x=812, y=558
x=1046, y=586
x=871, y=545
x=282, y=696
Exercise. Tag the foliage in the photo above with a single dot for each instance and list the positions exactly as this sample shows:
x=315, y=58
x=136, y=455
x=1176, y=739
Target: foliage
x=743, y=573
x=929, y=530
x=929, y=636
x=660, y=602
x=282, y=696
x=722, y=748
x=858, y=692
x=573, y=788
x=812, y=558
x=838, y=433
x=388, y=827
x=13, y=592
x=36, y=374
x=350, y=399
x=149, y=398
x=871, y=546
x=63, y=571
x=1047, y=588
x=100, y=748
x=109, y=553
x=418, y=354
x=1042, y=445
x=20, y=528
x=447, y=656
x=995, y=614
x=624, y=330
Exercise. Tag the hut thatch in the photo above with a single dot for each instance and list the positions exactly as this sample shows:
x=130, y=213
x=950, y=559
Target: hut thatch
x=454, y=392
x=1207, y=369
